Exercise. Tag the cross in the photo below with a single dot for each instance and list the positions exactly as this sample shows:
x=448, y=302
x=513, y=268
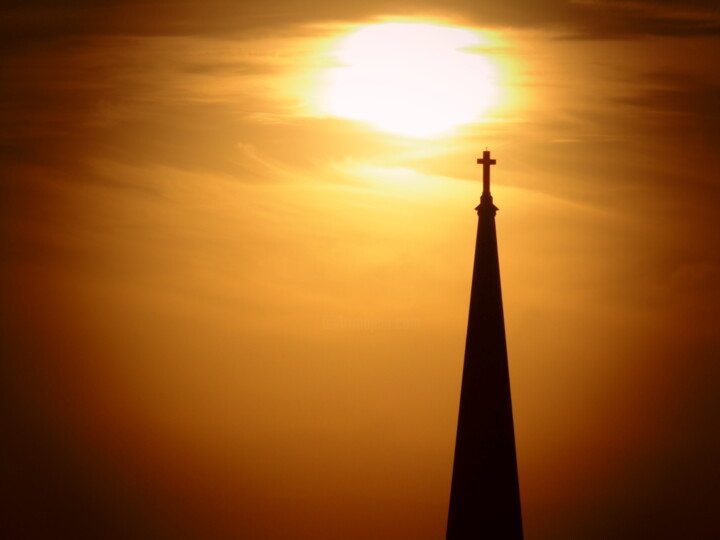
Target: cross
x=486, y=162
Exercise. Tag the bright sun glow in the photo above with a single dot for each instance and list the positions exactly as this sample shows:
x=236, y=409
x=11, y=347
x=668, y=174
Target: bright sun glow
x=415, y=79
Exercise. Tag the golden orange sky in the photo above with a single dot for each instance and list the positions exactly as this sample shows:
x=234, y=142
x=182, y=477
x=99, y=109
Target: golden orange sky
x=237, y=248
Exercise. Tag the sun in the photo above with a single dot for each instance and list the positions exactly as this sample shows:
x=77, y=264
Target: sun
x=412, y=79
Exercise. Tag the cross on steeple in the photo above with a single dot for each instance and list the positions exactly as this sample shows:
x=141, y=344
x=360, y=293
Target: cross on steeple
x=485, y=161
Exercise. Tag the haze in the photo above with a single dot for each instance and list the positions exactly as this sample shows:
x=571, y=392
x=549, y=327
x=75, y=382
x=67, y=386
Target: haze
x=231, y=310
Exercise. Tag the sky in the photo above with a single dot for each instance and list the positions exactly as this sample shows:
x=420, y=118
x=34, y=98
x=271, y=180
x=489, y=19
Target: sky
x=237, y=242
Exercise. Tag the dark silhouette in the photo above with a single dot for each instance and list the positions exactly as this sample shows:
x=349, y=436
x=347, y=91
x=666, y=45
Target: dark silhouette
x=485, y=494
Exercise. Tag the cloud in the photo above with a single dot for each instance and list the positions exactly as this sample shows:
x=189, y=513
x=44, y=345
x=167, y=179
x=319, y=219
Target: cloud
x=598, y=19
x=678, y=93
x=46, y=21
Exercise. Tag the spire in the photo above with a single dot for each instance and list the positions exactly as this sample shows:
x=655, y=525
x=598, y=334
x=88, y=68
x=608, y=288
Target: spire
x=485, y=495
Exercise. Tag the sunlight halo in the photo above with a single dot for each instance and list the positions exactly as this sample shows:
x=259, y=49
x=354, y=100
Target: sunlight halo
x=411, y=79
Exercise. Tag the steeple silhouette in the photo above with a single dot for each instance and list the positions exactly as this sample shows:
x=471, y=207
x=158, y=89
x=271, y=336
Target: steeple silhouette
x=485, y=494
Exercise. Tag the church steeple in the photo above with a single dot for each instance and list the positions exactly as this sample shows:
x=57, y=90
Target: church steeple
x=485, y=494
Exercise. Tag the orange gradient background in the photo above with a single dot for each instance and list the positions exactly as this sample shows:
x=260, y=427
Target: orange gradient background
x=232, y=309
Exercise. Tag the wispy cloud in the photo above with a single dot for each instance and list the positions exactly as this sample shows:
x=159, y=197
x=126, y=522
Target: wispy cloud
x=601, y=19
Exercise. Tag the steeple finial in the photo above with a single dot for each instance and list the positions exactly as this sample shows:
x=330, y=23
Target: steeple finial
x=486, y=162
x=486, y=200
